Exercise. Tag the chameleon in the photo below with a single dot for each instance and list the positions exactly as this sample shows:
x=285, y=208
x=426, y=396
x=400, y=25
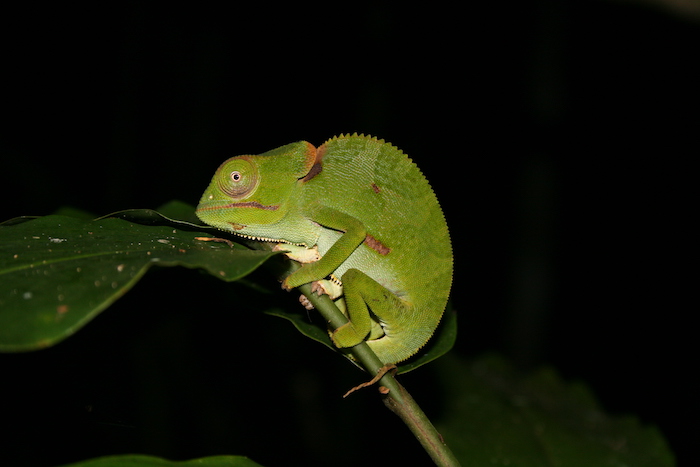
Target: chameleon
x=363, y=221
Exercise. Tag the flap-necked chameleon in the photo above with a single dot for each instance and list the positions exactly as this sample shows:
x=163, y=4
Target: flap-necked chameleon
x=368, y=217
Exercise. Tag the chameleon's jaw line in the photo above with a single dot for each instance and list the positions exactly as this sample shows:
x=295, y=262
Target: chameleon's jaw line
x=247, y=204
x=237, y=227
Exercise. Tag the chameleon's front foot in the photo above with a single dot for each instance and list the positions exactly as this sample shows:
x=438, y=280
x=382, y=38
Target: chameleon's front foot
x=318, y=288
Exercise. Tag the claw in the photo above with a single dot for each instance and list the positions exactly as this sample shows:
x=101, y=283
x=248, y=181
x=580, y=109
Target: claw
x=285, y=286
x=318, y=288
x=305, y=302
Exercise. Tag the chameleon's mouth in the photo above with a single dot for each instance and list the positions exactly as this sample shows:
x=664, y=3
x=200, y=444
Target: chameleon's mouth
x=254, y=237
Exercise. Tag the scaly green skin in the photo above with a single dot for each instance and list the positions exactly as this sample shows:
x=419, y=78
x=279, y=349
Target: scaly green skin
x=373, y=218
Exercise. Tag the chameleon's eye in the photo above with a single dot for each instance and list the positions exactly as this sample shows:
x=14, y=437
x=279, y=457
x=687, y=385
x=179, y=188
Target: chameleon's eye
x=238, y=177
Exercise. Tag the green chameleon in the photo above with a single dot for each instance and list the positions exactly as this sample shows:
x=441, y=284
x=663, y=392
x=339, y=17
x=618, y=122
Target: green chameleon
x=364, y=220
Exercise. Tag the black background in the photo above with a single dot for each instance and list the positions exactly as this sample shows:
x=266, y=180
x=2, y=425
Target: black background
x=560, y=137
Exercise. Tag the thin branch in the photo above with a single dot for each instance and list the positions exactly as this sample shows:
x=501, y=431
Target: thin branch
x=394, y=395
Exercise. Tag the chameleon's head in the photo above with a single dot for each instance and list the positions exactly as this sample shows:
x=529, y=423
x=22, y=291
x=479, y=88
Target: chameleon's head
x=250, y=194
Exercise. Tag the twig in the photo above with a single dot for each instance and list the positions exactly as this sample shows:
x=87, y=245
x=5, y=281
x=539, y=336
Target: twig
x=395, y=396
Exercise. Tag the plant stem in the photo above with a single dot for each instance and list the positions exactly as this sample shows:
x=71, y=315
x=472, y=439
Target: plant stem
x=397, y=399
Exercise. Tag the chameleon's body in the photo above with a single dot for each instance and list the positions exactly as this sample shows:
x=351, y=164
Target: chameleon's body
x=373, y=219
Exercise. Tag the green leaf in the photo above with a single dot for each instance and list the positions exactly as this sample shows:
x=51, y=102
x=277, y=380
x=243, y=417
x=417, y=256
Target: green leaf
x=171, y=213
x=440, y=344
x=71, y=211
x=497, y=417
x=58, y=272
x=304, y=325
x=179, y=210
x=150, y=461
